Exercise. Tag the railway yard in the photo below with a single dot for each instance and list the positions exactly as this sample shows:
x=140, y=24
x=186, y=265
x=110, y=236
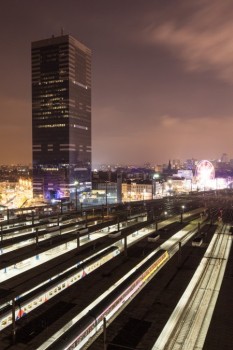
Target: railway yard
x=153, y=277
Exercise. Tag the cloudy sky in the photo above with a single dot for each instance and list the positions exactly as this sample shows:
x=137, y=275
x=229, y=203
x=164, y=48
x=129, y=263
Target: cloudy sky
x=162, y=75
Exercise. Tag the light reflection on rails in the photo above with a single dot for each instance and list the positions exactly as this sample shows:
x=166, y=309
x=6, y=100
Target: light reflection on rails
x=188, y=324
x=93, y=329
x=171, y=242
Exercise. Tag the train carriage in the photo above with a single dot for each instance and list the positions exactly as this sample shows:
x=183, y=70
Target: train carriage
x=29, y=302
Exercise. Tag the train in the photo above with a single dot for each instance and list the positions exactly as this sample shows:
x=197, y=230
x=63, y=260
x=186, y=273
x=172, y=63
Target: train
x=33, y=299
x=81, y=332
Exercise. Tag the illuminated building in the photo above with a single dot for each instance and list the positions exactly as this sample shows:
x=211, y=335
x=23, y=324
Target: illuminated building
x=134, y=191
x=61, y=116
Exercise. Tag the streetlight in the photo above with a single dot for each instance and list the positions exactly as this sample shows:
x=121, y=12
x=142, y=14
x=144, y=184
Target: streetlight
x=76, y=183
x=181, y=214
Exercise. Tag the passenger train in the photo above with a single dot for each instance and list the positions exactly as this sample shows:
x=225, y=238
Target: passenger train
x=26, y=303
x=78, y=335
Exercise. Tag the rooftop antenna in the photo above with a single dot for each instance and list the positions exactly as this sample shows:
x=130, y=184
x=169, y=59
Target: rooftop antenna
x=62, y=31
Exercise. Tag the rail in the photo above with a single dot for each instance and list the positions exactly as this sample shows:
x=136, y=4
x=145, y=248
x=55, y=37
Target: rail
x=188, y=324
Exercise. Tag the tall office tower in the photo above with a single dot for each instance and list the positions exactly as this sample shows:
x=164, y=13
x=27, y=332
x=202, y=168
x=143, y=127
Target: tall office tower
x=61, y=117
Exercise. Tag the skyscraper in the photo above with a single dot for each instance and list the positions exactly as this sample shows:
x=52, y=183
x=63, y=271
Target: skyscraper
x=61, y=116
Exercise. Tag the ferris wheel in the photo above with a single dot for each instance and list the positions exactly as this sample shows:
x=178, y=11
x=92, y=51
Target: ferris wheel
x=205, y=171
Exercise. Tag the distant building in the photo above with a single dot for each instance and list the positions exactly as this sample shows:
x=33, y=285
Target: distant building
x=136, y=191
x=224, y=158
x=190, y=164
x=105, y=192
x=175, y=185
x=61, y=116
x=186, y=174
x=176, y=164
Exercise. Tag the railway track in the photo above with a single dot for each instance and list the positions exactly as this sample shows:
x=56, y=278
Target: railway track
x=188, y=325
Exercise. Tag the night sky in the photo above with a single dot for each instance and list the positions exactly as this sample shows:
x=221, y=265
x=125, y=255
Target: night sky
x=162, y=75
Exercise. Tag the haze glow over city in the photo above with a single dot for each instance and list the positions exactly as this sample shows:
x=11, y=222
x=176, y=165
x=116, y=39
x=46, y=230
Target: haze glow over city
x=161, y=76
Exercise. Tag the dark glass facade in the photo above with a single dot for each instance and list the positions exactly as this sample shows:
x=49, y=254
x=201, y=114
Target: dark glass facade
x=61, y=116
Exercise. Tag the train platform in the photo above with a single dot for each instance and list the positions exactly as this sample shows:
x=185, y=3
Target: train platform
x=141, y=322
x=42, y=269
x=67, y=305
x=59, y=261
x=29, y=279
x=101, y=281
x=127, y=232
x=219, y=335
x=189, y=322
x=60, y=235
x=20, y=234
